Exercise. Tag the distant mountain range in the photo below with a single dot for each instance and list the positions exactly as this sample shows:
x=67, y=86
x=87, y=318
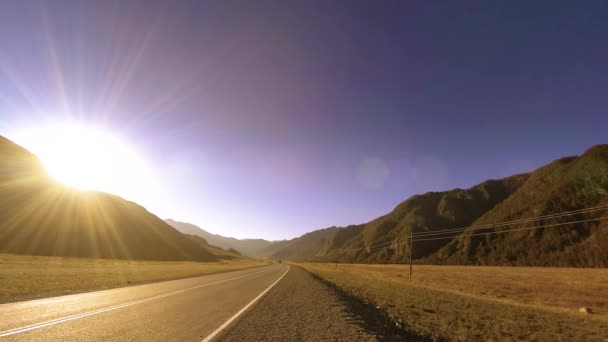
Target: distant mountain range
x=41, y=217
x=248, y=247
x=566, y=184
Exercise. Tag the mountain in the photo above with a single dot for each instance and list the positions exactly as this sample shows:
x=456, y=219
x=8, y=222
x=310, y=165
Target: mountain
x=219, y=252
x=419, y=213
x=38, y=216
x=248, y=247
x=303, y=248
x=566, y=184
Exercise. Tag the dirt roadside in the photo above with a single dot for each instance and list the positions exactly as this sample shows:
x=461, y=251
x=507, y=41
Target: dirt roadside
x=303, y=308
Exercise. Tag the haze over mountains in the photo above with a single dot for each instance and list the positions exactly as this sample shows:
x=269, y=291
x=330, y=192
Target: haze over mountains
x=249, y=247
x=38, y=216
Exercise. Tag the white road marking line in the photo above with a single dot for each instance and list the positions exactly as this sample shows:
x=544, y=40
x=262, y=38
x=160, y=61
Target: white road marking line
x=115, y=307
x=236, y=315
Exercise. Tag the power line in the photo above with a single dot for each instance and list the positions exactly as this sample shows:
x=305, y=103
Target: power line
x=506, y=223
x=396, y=242
x=516, y=229
x=488, y=233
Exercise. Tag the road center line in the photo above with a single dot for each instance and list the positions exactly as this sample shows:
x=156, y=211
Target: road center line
x=236, y=315
x=115, y=307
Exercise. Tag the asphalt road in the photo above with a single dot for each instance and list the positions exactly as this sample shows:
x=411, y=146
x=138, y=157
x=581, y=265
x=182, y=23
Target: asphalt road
x=179, y=310
x=301, y=308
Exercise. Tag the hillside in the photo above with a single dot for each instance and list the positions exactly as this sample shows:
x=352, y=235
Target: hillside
x=567, y=184
x=419, y=213
x=41, y=217
x=304, y=248
x=248, y=247
x=220, y=253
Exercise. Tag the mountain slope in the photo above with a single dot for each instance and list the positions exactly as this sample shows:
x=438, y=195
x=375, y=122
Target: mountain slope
x=41, y=217
x=219, y=252
x=567, y=184
x=305, y=248
x=420, y=213
x=248, y=247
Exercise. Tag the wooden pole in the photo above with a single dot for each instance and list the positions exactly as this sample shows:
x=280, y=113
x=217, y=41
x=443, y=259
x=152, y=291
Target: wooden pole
x=411, y=249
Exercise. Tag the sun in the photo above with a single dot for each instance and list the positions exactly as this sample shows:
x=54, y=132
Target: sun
x=88, y=158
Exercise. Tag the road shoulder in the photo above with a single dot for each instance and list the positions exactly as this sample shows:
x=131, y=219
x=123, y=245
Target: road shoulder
x=303, y=308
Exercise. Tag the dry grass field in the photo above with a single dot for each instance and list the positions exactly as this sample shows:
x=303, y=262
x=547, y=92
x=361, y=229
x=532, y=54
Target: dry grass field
x=482, y=303
x=29, y=277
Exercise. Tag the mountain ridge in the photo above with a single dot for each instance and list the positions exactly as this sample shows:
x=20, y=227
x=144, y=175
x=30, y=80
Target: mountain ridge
x=248, y=247
x=567, y=183
x=39, y=216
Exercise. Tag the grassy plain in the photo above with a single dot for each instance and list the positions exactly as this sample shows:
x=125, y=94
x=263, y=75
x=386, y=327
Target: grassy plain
x=472, y=303
x=25, y=277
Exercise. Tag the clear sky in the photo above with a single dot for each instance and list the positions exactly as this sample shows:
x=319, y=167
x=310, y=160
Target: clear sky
x=273, y=118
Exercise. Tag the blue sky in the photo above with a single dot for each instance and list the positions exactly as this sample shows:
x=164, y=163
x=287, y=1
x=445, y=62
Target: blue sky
x=274, y=118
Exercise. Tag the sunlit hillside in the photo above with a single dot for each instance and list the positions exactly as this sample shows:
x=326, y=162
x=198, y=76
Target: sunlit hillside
x=41, y=217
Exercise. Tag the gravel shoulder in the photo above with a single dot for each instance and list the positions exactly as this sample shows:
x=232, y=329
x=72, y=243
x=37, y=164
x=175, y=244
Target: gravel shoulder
x=303, y=308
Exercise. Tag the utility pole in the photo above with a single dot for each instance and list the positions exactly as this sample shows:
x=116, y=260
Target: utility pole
x=411, y=250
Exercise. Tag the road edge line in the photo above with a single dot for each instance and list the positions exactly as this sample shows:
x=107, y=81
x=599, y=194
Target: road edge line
x=59, y=320
x=240, y=312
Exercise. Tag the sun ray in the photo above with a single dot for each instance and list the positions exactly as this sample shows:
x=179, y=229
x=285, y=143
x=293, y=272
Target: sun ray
x=56, y=70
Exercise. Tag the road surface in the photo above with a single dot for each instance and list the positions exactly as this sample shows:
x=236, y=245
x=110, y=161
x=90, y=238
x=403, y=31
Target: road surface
x=190, y=309
x=302, y=308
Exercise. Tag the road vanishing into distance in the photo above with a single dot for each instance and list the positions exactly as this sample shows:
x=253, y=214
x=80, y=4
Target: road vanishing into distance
x=193, y=309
